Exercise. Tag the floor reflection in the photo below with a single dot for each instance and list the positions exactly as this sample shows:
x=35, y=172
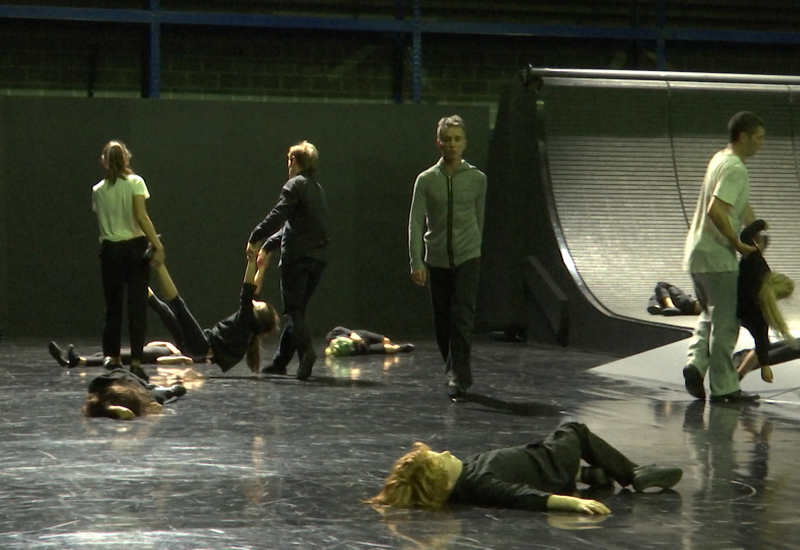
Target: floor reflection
x=246, y=461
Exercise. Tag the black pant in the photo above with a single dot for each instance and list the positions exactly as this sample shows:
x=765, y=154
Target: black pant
x=299, y=280
x=186, y=332
x=572, y=442
x=122, y=267
x=453, y=295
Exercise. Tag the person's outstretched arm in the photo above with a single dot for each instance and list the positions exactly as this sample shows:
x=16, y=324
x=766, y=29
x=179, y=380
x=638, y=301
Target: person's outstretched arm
x=144, y=221
x=574, y=504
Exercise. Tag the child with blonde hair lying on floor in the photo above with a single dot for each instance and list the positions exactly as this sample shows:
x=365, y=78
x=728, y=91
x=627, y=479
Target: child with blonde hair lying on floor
x=540, y=476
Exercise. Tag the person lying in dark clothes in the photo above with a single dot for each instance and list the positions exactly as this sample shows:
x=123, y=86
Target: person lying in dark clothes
x=669, y=300
x=121, y=395
x=161, y=353
x=344, y=342
x=541, y=476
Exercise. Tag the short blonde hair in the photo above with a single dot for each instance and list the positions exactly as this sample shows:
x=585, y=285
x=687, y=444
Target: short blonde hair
x=453, y=121
x=774, y=287
x=306, y=156
x=417, y=480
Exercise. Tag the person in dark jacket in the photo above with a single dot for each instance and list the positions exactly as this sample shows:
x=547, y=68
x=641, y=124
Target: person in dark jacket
x=759, y=289
x=541, y=476
x=122, y=395
x=298, y=224
x=343, y=342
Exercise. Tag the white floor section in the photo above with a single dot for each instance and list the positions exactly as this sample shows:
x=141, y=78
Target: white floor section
x=664, y=367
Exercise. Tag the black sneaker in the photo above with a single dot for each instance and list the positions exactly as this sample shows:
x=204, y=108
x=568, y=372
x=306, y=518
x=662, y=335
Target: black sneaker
x=307, y=363
x=736, y=397
x=174, y=391
x=652, y=475
x=110, y=364
x=72, y=357
x=272, y=368
x=455, y=392
x=694, y=382
x=58, y=354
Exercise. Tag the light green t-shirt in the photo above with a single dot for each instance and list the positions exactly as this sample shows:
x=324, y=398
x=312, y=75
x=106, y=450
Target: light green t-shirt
x=707, y=250
x=114, y=207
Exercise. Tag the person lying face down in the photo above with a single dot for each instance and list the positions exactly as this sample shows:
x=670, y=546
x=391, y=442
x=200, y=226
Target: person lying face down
x=121, y=395
x=539, y=477
x=343, y=342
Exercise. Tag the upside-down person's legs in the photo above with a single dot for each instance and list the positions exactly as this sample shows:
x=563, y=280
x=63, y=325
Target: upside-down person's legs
x=190, y=337
x=138, y=276
x=167, y=317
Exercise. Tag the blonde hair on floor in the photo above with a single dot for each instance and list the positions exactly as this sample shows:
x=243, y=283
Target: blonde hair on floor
x=417, y=480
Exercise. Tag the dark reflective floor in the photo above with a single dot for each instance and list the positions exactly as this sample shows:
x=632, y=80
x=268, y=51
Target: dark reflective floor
x=244, y=462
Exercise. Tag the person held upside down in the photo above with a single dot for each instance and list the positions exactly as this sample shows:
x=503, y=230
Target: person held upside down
x=226, y=343
x=538, y=477
x=343, y=342
x=759, y=289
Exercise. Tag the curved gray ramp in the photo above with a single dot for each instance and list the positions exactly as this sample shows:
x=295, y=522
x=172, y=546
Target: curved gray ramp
x=614, y=162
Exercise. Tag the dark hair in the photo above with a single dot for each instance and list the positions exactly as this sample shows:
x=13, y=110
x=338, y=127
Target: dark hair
x=116, y=160
x=306, y=156
x=122, y=394
x=744, y=121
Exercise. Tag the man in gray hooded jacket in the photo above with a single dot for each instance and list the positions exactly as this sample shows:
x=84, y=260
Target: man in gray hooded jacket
x=446, y=225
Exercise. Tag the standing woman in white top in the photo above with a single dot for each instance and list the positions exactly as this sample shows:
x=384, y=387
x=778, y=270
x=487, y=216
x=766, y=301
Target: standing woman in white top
x=125, y=230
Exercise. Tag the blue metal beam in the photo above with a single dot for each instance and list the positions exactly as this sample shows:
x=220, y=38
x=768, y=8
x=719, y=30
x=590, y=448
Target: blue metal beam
x=389, y=25
x=154, y=54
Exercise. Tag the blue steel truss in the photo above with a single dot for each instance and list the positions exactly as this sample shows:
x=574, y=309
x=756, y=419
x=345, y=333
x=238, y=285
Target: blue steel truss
x=154, y=17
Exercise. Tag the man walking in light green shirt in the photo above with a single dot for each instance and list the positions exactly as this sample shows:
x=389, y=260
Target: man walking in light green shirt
x=723, y=208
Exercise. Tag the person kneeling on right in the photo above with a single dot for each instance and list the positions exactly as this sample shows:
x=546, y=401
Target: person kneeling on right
x=539, y=477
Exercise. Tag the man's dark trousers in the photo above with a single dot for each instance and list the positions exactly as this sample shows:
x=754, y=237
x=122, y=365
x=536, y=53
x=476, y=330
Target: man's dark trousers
x=299, y=280
x=453, y=295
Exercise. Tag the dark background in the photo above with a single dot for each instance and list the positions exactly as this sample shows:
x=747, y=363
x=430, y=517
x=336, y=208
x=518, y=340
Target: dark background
x=214, y=169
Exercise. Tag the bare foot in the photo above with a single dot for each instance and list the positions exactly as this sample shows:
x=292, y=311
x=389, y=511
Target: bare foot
x=766, y=374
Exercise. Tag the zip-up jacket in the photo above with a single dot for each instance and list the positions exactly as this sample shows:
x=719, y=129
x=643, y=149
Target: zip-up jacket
x=446, y=218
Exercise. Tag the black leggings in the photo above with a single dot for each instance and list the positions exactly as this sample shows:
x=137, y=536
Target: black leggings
x=123, y=268
x=181, y=324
